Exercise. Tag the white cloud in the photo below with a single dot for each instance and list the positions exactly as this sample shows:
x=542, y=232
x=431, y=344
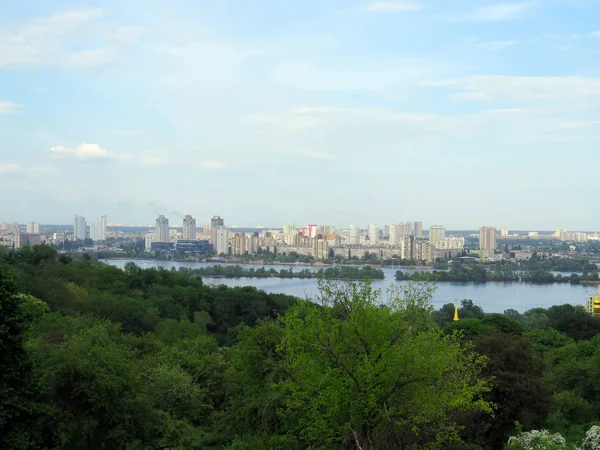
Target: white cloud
x=497, y=45
x=499, y=12
x=580, y=125
x=9, y=108
x=44, y=41
x=596, y=34
x=311, y=154
x=392, y=6
x=9, y=168
x=521, y=88
x=213, y=165
x=83, y=151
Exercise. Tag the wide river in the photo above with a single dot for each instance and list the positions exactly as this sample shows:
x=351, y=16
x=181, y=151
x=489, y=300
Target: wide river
x=492, y=297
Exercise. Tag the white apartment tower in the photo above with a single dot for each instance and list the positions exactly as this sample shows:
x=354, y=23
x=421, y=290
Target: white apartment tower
x=189, y=227
x=102, y=225
x=487, y=242
x=354, y=235
x=373, y=234
x=436, y=233
x=418, y=229
x=80, y=228
x=162, y=229
x=221, y=246
x=33, y=227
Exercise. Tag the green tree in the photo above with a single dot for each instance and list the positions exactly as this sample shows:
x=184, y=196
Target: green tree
x=18, y=390
x=518, y=392
x=366, y=375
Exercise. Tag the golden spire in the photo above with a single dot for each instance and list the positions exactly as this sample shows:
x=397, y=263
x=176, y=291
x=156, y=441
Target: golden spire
x=456, y=319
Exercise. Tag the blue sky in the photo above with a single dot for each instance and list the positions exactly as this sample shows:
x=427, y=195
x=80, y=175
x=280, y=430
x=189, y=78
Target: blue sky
x=459, y=112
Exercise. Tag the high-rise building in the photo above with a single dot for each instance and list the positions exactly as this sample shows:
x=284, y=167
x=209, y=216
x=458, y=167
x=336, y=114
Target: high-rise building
x=406, y=228
x=33, y=227
x=289, y=229
x=23, y=239
x=386, y=232
x=436, y=233
x=354, y=235
x=98, y=229
x=80, y=228
x=221, y=244
x=394, y=237
x=148, y=241
x=504, y=232
x=487, y=242
x=162, y=229
x=215, y=221
x=373, y=234
x=418, y=229
x=189, y=227
x=102, y=225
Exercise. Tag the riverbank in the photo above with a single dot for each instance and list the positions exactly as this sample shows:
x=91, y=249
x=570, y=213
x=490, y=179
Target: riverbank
x=269, y=263
x=478, y=274
x=331, y=273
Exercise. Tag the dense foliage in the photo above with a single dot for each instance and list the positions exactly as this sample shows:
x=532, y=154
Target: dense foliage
x=479, y=274
x=330, y=273
x=94, y=357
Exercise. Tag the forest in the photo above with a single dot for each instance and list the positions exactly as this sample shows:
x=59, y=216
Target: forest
x=329, y=273
x=478, y=273
x=94, y=357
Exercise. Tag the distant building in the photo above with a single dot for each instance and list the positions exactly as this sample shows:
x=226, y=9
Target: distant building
x=289, y=229
x=487, y=242
x=150, y=238
x=98, y=229
x=373, y=234
x=33, y=227
x=215, y=221
x=311, y=231
x=221, y=244
x=418, y=229
x=193, y=246
x=189, y=228
x=406, y=228
x=354, y=235
x=102, y=225
x=163, y=247
x=436, y=233
x=394, y=237
x=23, y=239
x=504, y=232
x=386, y=232
x=80, y=228
x=238, y=244
x=593, y=305
x=162, y=229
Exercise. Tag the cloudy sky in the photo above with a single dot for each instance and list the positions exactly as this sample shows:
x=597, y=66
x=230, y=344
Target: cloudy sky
x=459, y=112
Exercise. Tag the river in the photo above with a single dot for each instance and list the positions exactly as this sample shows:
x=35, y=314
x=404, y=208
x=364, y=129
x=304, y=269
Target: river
x=492, y=297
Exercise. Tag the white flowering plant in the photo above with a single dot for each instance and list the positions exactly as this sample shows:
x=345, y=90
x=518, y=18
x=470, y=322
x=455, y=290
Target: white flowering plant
x=537, y=440
x=592, y=439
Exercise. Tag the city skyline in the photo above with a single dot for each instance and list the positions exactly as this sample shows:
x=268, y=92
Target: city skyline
x=307, y=109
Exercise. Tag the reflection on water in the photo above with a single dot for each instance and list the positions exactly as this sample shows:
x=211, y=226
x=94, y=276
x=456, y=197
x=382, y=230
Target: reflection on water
x=492, y=297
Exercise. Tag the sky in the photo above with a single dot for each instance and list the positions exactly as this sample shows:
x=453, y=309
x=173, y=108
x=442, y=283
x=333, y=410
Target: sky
x=266, y=112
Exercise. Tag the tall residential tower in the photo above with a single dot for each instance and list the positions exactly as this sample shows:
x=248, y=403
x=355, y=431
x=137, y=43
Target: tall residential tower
x=80, y=228
x=189, y=227
x=162, y=229
x=487, y=242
